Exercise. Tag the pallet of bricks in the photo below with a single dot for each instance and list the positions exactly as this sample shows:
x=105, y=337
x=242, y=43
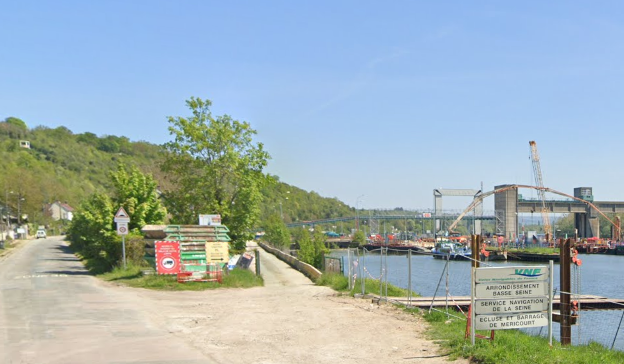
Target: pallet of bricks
x=204, y=251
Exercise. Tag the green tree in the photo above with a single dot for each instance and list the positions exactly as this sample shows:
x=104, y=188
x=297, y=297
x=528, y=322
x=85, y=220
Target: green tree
x=217, y=168
x=311, y=247
x=319, y=248
x=92, y=230
x=16, y=122
x=359, y=237
x=276, y=232
x=136, y=193
x=306, y=246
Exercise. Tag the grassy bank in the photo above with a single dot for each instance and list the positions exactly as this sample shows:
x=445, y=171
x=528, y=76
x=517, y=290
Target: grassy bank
x=512, y=346
x=133, y=277
x=340, y=283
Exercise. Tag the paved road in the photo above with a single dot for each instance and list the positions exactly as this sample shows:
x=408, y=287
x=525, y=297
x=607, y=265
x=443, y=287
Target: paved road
x=52, y=311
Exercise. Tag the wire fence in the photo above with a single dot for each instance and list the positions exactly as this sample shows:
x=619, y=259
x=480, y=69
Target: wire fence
x=446, y=279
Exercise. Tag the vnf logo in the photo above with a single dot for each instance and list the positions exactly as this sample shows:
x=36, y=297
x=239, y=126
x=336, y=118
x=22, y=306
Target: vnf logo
x=529, y=272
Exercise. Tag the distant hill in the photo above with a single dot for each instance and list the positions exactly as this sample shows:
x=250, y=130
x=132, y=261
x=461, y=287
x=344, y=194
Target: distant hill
x=62, y=166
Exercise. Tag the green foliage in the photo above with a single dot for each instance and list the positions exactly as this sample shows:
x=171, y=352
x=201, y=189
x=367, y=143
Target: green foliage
x=217, y=168
x=92, y=231
x=335, y=281
x=61, y=166
x=136, y=193
x=133, y=277
x=276, y=232
x=513, y=346
x=340, y=283
x=359, y=237
x=299, y=205
x=19, y=123
x=312, y=249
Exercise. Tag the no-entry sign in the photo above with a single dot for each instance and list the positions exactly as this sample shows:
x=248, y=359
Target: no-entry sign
x=167, y=257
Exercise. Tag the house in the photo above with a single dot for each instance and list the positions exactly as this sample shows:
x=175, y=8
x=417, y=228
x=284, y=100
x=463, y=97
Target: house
x=60, y=211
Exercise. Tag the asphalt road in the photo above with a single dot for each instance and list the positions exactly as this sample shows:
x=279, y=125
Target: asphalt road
x=53, y=311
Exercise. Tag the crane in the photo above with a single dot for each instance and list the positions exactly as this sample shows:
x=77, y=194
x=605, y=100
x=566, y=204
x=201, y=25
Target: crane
x=541, y=191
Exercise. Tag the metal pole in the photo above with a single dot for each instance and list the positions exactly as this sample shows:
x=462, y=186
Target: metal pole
x=19, y=209
x=380, y=271
x=386, y=265
x=550, y=302
x=257, y=262
x=618, y=330
x=475, y=241
x=349, y=266
x=448, y=257
x=123, y=247
x=409, y=278
x=564, y=300
x=363, y=279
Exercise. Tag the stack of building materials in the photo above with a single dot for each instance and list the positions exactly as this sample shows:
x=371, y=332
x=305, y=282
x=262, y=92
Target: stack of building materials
x=152, y=233
x=195, y=241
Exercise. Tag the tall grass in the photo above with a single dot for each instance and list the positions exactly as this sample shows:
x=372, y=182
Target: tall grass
x=512, y=346
x=340, y=283
x=133, y=276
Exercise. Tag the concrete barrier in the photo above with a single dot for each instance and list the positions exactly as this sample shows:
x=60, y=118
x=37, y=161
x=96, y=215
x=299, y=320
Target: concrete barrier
x=305, y=268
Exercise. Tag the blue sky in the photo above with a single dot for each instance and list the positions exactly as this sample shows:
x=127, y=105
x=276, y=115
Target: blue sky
x=384, y=99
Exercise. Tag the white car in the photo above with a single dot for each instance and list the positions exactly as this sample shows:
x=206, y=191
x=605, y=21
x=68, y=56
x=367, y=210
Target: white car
x=41, y=234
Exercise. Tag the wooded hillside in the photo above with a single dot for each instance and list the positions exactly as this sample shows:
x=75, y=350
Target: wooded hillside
x=68, y=167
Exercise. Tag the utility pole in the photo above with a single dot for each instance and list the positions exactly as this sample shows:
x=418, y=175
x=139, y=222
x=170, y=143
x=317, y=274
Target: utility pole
x=19, y=209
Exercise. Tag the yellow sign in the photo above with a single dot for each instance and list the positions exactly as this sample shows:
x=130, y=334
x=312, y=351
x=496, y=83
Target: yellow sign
x=217, y=252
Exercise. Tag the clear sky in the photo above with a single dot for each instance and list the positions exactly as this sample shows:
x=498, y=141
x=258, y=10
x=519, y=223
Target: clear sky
x=383, y=99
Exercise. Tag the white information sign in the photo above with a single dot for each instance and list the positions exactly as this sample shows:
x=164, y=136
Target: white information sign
x=511, y=321
x=511, y=298
x=509, y=290
x=511, y=274
x=511, y=305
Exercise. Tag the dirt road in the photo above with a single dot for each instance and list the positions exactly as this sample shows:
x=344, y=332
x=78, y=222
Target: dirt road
x=54, y=311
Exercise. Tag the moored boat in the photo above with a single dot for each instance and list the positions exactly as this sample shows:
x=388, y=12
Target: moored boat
x=453, y=251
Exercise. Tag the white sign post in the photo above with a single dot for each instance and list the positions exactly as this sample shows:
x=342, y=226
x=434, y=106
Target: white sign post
x=511, y=298
x=122, y=219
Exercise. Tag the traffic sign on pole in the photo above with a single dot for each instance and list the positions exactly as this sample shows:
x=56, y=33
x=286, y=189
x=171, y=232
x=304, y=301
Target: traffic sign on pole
x=122, y=228
x=122, y=215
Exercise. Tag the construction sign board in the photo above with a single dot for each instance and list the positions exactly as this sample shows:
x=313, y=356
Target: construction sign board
x=167, y=257
x=217, y=252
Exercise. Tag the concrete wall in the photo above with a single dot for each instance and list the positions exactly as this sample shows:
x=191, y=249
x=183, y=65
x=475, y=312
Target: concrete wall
x=305, y=268
x=508, y=202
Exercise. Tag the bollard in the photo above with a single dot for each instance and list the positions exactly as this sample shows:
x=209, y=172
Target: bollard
x=257, y=262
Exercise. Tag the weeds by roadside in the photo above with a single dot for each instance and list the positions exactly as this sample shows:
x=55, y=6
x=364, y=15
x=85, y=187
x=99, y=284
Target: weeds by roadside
x=340, y=283
x=133, y=277
x=512, y=346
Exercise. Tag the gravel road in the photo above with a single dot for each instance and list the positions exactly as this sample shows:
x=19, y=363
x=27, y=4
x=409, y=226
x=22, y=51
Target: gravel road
x=52, y=311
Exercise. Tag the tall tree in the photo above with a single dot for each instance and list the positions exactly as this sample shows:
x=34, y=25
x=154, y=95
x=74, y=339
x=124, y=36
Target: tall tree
x=92, y=231
x=216, y=167
x=276, y=232
x=136, y=192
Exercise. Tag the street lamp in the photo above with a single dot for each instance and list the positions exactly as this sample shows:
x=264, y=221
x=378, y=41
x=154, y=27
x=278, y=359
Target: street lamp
x=19, y=208
x=357, y=213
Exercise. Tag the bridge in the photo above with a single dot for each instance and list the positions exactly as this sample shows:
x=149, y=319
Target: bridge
x=450, y=217
x=508, y=204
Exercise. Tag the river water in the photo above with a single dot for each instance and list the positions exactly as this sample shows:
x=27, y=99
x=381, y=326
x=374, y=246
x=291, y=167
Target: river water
x=599, y=275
